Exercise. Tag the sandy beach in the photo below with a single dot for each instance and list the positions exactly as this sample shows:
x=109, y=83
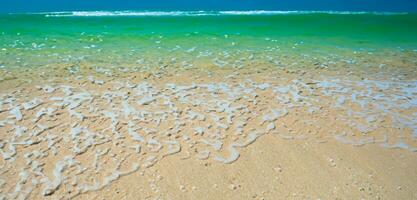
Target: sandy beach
x=225, y=134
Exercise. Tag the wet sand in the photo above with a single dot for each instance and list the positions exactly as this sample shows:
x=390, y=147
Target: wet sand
x=209, y=134
x=275, y=168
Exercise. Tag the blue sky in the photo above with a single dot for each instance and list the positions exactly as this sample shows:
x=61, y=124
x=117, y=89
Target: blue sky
x=70, y=5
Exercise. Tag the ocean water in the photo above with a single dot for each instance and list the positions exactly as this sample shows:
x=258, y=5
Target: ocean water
x=200, y=38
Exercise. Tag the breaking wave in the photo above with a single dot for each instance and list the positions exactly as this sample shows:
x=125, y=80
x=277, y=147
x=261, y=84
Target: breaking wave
x=203, y=13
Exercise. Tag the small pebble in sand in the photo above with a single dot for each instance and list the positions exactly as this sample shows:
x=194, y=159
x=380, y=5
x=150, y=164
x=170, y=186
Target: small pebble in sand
x=278, y=168
x=182, y=188
x=332, y=163
x=233, y=187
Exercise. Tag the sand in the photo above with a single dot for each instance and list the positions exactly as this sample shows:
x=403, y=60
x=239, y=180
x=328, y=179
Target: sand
x=275, y=168
x=226, y=134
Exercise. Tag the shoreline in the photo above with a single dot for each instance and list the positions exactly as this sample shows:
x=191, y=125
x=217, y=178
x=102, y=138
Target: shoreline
x=129, y=125
x=217, y=107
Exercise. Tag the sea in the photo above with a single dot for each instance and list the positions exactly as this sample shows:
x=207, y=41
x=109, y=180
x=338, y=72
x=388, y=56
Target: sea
x=201, y=38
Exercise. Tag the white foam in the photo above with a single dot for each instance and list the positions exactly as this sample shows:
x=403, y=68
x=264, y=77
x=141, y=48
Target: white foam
x=52, y=186
x=270, y=127
x=43, y=111
x=203, y=155
x=199, y=130
x=132, y=132
x=202, y=13
x=233, y=153
x=127, y=109
x=32, y=104
x=173, y=147
x=146, y=100
x=274, y=115
x=360, y=142
x=150, y=161
x=154, y=145
x=216, y=144
x=16, y=113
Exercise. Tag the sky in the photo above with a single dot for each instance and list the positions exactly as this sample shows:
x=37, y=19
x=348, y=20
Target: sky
x=17, y=6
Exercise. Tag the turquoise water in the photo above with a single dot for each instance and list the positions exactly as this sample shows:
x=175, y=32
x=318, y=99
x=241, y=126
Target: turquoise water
x=30, y=40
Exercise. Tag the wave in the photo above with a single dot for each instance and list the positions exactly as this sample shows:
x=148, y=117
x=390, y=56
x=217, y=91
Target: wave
x=125, y=13
x=203, y=13
x=264, y=12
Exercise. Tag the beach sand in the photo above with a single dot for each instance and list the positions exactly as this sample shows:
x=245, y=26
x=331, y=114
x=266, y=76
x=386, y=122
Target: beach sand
x=206, y=133
x=275, y=168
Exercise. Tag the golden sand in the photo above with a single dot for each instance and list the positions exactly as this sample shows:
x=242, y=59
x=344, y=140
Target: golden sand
x=264, y=134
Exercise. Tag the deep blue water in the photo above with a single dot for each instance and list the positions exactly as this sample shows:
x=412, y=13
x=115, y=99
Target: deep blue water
x=7, y=6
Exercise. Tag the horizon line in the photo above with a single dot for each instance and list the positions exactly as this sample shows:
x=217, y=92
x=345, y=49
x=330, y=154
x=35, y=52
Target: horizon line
x=120, y=13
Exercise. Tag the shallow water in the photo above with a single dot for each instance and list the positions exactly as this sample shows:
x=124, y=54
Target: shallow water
x=36, y=40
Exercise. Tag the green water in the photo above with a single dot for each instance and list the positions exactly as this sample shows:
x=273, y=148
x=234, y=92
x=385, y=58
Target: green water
x=33, y=40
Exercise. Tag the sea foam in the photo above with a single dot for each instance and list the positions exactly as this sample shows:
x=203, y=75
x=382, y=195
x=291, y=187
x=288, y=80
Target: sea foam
x=204, y=13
